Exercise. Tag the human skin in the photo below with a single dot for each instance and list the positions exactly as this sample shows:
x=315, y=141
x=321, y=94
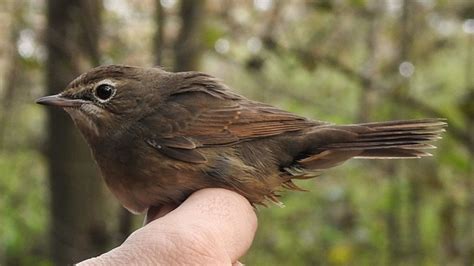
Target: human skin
x=212, y=227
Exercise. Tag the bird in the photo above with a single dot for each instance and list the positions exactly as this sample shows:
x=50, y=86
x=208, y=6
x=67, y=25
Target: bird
x=158, y=136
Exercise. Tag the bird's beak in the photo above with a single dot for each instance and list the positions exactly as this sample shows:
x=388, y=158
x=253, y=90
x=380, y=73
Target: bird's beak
x=60, y=101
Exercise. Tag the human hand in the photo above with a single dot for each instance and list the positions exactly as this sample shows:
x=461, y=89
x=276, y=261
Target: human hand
x=212, y=227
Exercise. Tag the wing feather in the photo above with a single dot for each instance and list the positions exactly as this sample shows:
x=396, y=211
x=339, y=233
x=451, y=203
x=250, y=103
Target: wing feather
x=206, y=113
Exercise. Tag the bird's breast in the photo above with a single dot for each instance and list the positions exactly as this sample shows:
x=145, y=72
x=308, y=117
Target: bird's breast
x=140, y=176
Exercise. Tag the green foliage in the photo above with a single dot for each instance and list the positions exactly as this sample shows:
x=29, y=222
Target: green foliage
x=22, y=207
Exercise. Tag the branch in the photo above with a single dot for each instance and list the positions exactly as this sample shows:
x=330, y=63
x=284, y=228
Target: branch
x=457, y=132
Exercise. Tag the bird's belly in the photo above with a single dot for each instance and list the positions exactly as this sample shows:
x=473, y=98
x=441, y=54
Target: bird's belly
x=126, y=197
x=153, y=180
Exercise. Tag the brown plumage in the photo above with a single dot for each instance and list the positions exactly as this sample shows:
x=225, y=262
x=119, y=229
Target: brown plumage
x=158, y=136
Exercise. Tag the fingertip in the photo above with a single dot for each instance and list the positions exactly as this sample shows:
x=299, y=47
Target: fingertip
x=225, y=205
x=226, y=214
x=210, y=219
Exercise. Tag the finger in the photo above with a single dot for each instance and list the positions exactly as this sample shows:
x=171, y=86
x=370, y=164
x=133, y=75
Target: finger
x=227, y=215
x=212, y=227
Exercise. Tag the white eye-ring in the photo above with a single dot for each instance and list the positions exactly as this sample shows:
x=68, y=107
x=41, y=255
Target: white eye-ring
x=104, y=91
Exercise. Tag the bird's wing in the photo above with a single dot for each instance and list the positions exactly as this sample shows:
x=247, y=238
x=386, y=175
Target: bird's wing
x=202, y=116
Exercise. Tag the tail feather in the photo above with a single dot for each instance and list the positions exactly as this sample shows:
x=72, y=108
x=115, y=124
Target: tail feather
x=416, y=123
x=403, y=143
x=392, y=137
x=392, y=153
x=330, y=145
x=419, y=132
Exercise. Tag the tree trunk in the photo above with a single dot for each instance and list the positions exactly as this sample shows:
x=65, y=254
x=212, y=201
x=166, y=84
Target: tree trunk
x=447, y=216
x=188, y=46
x=368, y=96
x=12, y=73
x=468, y=111
x=159, y=34
x=397, y=253
x=78, y=228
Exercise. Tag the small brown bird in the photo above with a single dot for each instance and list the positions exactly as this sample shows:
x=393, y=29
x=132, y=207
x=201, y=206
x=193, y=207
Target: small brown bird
x=158, y=136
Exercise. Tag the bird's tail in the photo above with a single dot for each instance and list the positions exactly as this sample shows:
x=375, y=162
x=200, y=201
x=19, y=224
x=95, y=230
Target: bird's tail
x=328, y=146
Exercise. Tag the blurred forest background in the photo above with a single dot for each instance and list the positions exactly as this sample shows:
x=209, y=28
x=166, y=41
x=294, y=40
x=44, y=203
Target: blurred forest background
x=343, y=61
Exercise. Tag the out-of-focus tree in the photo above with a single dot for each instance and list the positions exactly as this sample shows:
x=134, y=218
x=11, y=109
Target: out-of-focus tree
x=12, y=74
x=159, y=40
x=78, y=210
x=467, y=110
x=188, y=46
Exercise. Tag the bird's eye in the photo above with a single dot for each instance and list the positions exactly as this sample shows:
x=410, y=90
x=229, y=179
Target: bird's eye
x=104, y=92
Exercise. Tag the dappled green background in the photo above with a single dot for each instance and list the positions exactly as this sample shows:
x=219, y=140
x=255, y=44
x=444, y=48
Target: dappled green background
x=341, y=61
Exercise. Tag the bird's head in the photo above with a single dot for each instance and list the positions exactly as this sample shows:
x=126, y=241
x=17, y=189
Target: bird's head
x=106, y=98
